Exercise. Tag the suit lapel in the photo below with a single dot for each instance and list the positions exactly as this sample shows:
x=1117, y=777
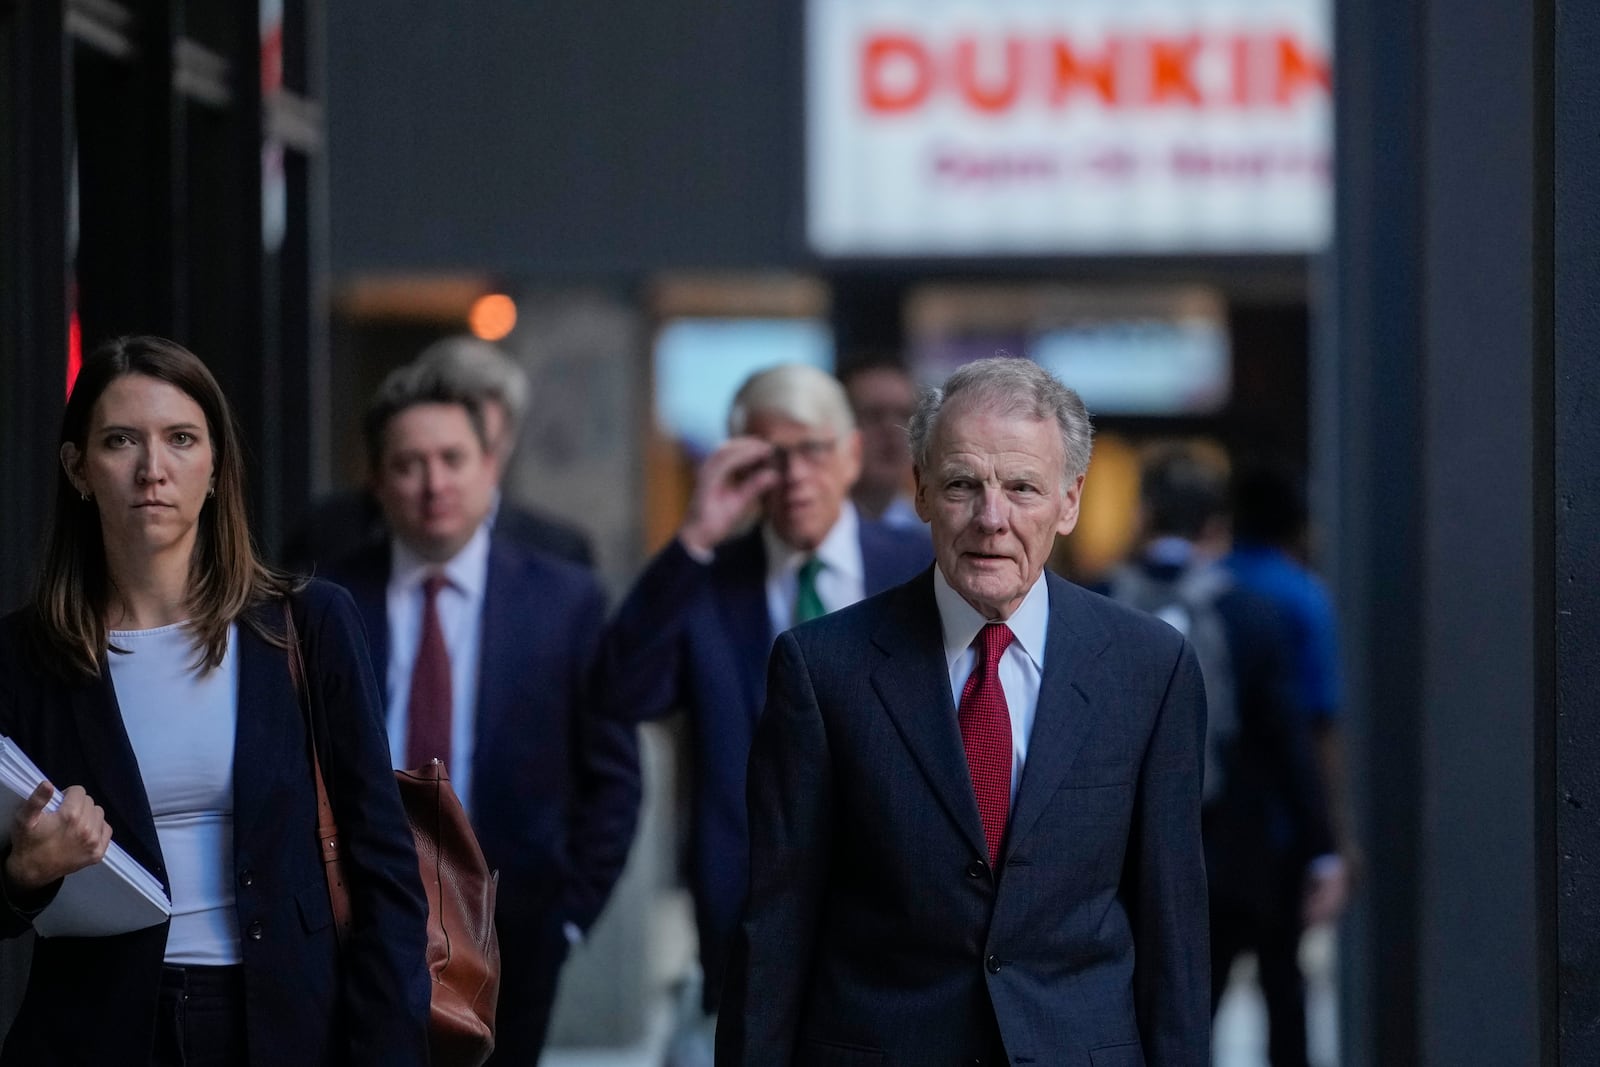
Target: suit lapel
x=914, y=685
x=1067, y=709
x=741, y=593
x=114, y=771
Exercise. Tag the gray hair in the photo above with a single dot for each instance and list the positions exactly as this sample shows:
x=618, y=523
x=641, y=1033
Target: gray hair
x=795, y=391
x=1007, y=386
x=477, y=368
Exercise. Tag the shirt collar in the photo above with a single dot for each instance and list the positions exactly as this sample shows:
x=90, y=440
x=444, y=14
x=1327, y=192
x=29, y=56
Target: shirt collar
x=839, y=552
x=467, y=570
x=961, y=622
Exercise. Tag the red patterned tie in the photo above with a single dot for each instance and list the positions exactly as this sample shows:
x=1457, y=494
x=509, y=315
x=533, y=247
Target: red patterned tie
x=428, y=711
x=986, y=734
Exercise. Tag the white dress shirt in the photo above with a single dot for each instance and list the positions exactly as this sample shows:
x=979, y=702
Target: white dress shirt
x=460, y=607
x=1021, y=667
x=841, y=581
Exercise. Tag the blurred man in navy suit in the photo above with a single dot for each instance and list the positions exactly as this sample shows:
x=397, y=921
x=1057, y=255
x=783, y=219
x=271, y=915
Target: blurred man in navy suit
x=487, y=651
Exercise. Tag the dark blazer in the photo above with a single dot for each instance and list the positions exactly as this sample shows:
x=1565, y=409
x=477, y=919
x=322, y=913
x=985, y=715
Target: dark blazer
x=343, y=523
x=697, y=637
x=555, y=788
x=93, y=1000
x=876, y=931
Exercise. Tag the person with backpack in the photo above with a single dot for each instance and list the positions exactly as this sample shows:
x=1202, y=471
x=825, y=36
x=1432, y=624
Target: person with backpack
x=1264, y=821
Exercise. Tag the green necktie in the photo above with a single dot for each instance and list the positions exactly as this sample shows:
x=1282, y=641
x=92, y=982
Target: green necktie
x=807, y=604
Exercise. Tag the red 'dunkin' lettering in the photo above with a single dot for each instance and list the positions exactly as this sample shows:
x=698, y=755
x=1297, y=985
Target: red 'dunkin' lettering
x=1000, y=94
x=1172, y=70
x=896, y=73
x=1239, y=68
x=1297, y=73
x=995, y=75
x=1074, y=72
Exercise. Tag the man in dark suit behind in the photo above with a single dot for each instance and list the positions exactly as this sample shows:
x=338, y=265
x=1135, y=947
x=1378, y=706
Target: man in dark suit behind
x=975, y=798
x=696, y=629
x=343, y=522
x=486, y=650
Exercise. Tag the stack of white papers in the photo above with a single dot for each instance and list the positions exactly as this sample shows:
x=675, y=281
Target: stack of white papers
x=113, y=896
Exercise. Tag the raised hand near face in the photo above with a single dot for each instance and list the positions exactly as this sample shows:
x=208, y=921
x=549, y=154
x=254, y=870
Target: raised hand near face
x=729, y=481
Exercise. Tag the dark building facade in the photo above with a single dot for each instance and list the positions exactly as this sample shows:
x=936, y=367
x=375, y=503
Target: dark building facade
x=161, y=167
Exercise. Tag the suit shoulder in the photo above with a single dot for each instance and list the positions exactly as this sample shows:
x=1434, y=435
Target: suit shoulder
x=554, y=575
x=545, y=533
x=1127, y=627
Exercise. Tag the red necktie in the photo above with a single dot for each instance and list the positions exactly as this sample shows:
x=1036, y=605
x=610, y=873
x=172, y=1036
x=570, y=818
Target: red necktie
x=428, y=710
x=986, y=734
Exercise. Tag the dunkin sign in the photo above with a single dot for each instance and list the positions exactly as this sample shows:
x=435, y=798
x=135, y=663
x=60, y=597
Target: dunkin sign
x=1048, y=127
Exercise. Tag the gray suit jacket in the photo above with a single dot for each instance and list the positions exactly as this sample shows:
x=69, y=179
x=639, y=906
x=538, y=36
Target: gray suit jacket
x=876, y=932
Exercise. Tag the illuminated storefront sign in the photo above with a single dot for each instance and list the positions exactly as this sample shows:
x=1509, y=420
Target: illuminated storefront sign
x=1084, y=127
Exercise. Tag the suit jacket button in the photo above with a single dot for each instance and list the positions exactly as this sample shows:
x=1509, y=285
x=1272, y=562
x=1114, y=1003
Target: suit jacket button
x=976, y=868
x=247, y=879
x=993, y=964
x=254, y=932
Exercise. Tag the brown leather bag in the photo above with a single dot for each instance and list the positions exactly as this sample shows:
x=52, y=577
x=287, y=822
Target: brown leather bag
x=463, y=951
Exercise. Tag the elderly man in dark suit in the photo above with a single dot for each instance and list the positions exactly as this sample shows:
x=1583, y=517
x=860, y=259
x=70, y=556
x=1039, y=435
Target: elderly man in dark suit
x=696, y=629
x=486, y=650
x=975, y=799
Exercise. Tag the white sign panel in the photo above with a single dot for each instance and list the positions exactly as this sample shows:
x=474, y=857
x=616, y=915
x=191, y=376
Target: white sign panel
x=1045, y=127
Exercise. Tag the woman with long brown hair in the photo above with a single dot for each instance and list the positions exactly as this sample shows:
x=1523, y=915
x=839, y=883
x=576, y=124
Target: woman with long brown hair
x=150, y=678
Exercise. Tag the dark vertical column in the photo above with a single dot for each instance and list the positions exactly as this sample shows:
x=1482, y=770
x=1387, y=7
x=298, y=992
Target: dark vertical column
x=1368, y=472
x=224, y=263
x=1482, y=432
x=1435, y=438
x=33, y=277
x=1576, y=499
x=300, y=268
x=33, y=317
x=128, y=142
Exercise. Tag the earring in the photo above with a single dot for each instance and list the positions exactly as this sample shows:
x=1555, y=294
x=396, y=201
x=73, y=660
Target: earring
x=211, y=492
x=85, y=496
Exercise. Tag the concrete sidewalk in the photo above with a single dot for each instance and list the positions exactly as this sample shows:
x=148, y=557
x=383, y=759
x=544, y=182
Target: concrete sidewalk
x=1239, y=1040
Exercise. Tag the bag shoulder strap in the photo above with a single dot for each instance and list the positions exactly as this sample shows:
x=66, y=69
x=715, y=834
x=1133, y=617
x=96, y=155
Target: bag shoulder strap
x=327, y=826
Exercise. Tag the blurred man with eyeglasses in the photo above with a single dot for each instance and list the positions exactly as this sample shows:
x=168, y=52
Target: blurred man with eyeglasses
x=696, y=629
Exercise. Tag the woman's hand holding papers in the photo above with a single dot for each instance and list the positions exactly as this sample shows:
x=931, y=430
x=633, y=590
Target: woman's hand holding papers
x=46, y=846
